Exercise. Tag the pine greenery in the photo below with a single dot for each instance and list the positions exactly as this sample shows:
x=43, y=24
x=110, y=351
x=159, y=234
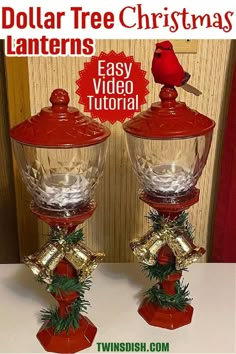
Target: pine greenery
x=71, y=239
x=62, y=284
x=51, y=315
x=161, y=272
x=181, y=222
x=53, y=319
x=178, y=301
x=75, y=237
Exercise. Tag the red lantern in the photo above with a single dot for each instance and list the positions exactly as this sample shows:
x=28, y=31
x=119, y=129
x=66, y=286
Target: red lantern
x=61, y=154
x=168, y=146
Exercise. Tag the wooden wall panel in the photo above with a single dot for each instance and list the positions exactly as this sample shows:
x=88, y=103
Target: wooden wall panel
x=19, y=108
x=8, y=223
x=120, y=215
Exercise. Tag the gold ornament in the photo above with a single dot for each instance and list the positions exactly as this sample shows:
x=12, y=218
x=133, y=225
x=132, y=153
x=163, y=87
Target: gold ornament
x=83, y=260
x=43, y=262
x=147, y=247
x=184, y=250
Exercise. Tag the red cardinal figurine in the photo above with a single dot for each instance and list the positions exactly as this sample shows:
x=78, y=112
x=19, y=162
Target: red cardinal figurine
x=167, y=70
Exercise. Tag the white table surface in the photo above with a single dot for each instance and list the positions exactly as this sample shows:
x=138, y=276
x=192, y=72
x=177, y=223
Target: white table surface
x=115, y=295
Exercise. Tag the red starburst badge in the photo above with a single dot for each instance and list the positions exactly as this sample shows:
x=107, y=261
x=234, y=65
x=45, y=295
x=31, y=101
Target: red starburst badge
x=112, y=87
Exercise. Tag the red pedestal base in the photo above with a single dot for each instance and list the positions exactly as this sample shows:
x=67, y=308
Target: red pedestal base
x=154, y=314
x=78, y=339
x=71, y=342
x=157, y=316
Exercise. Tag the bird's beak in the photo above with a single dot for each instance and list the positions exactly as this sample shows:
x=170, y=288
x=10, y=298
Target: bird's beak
x=158, y=50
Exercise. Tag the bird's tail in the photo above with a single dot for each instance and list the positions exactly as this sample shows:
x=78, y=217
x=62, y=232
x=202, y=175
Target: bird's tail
x=191, y=89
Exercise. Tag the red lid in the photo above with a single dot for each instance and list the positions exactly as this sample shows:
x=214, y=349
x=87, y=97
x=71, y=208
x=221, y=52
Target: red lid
x=59, y=126
x=169, y=119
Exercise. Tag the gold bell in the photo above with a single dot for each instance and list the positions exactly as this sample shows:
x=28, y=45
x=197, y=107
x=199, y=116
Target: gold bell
x=43, y=262
x=83, y=260
x=184, y=250
x=147, y=247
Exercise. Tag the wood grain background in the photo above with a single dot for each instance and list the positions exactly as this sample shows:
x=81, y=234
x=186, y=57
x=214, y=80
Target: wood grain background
x=120, y=215
x=8, y=223
x=17, y=80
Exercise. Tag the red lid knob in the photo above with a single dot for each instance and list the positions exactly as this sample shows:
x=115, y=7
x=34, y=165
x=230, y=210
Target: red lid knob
x=168, y=96
x=59, y=100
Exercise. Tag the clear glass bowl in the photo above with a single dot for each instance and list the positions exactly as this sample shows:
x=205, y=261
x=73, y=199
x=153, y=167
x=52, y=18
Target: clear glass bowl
x=168, y=168
x=60, y=178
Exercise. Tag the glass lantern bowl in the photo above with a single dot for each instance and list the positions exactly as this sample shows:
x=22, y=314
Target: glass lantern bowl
x=168, y=146
x=61, y=156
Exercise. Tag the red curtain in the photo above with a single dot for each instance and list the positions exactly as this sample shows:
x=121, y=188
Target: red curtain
x=224, y=238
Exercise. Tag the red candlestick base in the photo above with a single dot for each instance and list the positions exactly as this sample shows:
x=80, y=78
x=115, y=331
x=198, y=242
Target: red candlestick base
x=157, y=316
x=153, y=314
x=68, y=342
x=73, y=340
x=164, y=317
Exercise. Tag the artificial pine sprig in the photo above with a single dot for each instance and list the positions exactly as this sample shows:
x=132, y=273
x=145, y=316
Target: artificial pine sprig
x=52, y=317
x=75, y=237
x=156, y=219
x=158, y=271
x=70, y=239
x=181, y=222
x=179, y=300
x=64, y=284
